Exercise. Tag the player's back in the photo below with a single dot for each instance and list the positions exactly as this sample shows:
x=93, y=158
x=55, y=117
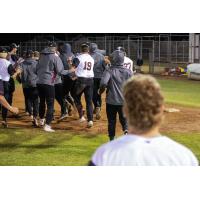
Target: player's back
x=139, y=151
x=118, y=76
x=128, y=63
x=85, y=66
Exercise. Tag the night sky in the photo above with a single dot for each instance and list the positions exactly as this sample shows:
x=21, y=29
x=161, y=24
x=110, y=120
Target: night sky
x=8, y=38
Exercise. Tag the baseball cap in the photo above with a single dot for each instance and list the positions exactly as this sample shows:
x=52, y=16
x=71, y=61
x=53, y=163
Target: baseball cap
x=52, y=44
x=84, y=45
x=121, y=49
x=29, y=53
x=13, y=45
x=3, y=52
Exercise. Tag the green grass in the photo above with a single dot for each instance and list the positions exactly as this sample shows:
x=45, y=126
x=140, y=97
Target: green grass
x=186, y=93
x=22, y=147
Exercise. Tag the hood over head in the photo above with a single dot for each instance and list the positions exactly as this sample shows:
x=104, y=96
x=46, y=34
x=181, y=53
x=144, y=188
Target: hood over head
x=117, y=58
x=66, y=49
x=93, y=47
x=29, y=61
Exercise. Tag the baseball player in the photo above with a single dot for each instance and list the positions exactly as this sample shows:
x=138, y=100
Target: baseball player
x=99, y=67
x=13, y=59
x=113, y=79
x=84, y=64
x=29, y=80
x=48, y=67
x=6, y=71
x=67, y=56
x=143, y=145
x=128, y=63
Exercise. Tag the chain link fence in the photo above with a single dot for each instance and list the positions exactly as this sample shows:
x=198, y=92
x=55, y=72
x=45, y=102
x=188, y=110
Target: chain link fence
x=156, y=54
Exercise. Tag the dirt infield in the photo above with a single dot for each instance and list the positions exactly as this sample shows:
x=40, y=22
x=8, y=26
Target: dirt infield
x=185, y=121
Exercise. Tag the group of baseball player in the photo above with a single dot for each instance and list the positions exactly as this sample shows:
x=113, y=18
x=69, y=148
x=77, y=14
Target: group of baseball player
x=56, y=73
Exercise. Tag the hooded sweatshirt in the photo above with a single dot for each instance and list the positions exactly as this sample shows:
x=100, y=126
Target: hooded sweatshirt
x=65, y=54
x=114, y=78
x=99, y=64
x=28, y=76
x=48, y=67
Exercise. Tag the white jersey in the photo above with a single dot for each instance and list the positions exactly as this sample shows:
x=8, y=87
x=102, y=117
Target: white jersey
x=128, y=63
x=85, y=67
x=132, y=150
x=4, y=75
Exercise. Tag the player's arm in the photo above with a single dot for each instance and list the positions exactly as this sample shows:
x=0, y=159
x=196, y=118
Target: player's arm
x=6, y=105
x=4, y=102
x=104, y=81
x=75, y=62
x=59, y=67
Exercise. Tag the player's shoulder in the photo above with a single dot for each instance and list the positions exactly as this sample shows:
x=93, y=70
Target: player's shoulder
x=110, y=149
x=127, y=59
x=176, y=146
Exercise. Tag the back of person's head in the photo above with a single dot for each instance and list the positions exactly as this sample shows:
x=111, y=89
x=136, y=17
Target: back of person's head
x=84, y=48
x=117, y=58
x=36, y=54
x=93, y=47
x=3, y=52
x=52, y=46
x=29, y=54
x=13, y=46
x=121, y=49
x=144, y=102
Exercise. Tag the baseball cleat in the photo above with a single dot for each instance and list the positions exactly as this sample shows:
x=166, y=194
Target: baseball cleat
x=90, y=124
x=4, y=124
x=42, y=121
x=125, y=132
x=82, y=119
x=48, y=128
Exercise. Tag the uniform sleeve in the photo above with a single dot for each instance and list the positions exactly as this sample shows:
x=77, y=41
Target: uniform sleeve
x=98, y=157
x=105, y=78
x=75, y=62
x=11, y=69
x=58, y=65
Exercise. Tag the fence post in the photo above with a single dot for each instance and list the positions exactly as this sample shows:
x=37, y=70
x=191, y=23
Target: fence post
x=105, y=44
x=128, y=45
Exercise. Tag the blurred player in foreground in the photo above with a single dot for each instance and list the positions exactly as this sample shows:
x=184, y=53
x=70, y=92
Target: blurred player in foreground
x=143, y=145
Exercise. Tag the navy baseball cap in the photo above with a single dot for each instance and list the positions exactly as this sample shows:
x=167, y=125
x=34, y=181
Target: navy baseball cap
x=3, y=50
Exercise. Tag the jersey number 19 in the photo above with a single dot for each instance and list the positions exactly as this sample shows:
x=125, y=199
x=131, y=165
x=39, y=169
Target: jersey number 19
x=87, y=66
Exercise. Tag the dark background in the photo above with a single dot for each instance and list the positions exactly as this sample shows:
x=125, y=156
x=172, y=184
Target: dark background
x=8, y=38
